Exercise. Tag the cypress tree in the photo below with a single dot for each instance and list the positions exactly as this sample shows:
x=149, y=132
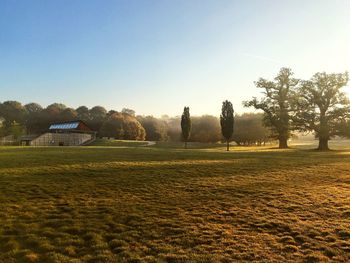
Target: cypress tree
x=227, y=121
x=186, y=125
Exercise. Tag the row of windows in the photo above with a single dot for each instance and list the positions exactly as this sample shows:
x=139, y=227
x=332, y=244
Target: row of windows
x=64, y=126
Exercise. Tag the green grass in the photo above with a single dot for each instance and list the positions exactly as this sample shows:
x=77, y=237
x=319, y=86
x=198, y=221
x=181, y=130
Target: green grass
x=167, y=204
x=117, y=143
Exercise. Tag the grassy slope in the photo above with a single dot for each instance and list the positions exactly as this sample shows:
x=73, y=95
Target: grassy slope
x=171, y=205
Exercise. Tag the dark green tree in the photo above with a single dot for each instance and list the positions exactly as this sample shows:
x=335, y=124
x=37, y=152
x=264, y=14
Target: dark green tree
x=56, y=107
x=227, y=122
x=98, y=115
x=17, y=130
x=33, y=108
x=186, y=125
x=12, y=111
x=113, y=127
x=323, y=108
x=33, y=119
x=83, y=113
x=277, y=104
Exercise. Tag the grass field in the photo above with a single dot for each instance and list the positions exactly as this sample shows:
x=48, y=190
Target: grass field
x=166, y=204
x=117, y=143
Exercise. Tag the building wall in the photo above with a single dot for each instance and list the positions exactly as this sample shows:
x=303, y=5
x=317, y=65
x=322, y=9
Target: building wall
x=83, y=127
x=61, y=139
x=8, y=140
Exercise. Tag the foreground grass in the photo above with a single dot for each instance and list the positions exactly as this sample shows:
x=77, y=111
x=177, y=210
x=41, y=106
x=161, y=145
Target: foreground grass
x=93, y=204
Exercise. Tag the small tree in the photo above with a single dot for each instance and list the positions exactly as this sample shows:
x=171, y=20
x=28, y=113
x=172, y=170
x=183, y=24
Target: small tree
x=186, y=125
x=277, y=104
x=322, y=107
x=227, y=122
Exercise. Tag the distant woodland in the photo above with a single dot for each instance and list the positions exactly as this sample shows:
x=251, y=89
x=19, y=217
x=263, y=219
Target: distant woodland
x=33, y=119
x=288, y=106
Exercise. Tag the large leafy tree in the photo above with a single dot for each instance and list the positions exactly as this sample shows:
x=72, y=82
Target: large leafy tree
x=33, y=108
x=123, y=126
x=133, y=129
x=98, y=115
x=227, y=122
x=98, y=112
x=186, y=125
x=12, y=112
x=83, y=113
x=156, y=129
x=322, y=107
x=33, y=120
x=56, y=108
x=277, y=104
x=68, y=114
x=113, y=127
x=50, y=114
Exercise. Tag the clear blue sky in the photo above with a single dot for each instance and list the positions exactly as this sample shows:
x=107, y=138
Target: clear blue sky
x=158, y=56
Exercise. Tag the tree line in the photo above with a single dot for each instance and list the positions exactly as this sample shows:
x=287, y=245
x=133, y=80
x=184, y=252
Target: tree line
x=17, y=120
x=288, y=105
x=292, y=105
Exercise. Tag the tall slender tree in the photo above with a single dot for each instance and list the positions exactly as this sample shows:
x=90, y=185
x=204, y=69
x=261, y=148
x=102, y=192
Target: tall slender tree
x=277, y=104
x=227, y=122
x=186, y=125
x=323, y=107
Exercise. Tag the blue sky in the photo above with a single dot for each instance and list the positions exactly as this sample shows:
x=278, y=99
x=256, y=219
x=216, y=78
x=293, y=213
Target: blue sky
x=158, y=56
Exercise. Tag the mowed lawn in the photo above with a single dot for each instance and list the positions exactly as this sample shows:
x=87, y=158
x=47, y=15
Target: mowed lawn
x=167, y=204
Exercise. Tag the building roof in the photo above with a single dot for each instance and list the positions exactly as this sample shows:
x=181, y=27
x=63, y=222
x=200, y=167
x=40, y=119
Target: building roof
x=28, y=137
x=77, y=125
x=64, y=126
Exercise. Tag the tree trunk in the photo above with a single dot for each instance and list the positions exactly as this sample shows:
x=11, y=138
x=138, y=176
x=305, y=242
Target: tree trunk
x=323, y=144
x=185, y=144
x=283, y=144
x=227, y=145
x=323, y=134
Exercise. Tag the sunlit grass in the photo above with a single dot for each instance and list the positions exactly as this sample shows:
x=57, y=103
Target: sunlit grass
x=167, y=204
x=117, y=143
